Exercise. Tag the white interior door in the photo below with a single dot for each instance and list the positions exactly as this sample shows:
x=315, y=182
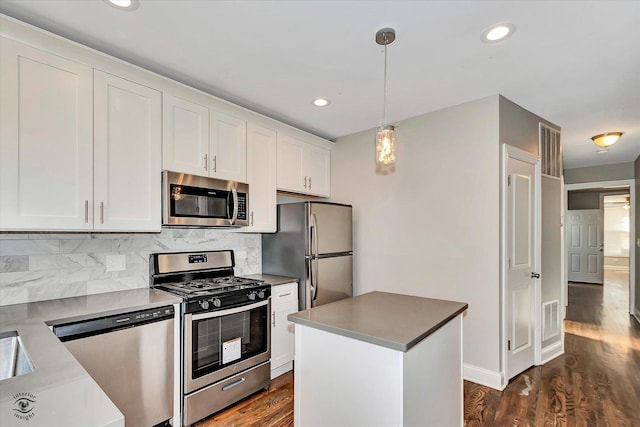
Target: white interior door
x=585, y=245
x=522, y=212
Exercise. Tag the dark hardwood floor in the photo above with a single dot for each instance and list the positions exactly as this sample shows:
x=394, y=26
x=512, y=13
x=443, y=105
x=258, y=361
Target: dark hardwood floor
x=595, y=383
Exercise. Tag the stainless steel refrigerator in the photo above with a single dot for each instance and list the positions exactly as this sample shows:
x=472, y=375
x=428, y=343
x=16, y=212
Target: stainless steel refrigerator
x=313, y=243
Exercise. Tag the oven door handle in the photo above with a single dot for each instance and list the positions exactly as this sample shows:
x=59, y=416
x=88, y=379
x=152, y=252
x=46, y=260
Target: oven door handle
x=211, y=314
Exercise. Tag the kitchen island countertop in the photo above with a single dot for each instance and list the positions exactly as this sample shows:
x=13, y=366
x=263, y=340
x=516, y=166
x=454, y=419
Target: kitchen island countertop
x=395, y=321
x=60, y=391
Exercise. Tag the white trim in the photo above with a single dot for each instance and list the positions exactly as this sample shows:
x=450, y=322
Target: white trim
x=282, y=369
x=616, y=267
x=485, y=377
x=636, y=314
x=509, y=151
x=552, y=351
x=632, y=228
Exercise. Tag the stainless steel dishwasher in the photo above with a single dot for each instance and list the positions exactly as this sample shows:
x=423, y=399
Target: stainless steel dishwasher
x=130, y=356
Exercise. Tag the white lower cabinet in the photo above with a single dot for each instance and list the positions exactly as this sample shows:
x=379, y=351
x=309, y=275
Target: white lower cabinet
x=284, y=301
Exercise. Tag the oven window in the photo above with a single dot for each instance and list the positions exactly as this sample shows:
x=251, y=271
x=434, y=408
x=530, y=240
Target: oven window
x=222, y=341
x=198, y=202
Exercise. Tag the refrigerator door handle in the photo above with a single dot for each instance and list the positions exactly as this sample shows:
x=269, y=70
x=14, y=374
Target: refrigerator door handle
x=314, y=255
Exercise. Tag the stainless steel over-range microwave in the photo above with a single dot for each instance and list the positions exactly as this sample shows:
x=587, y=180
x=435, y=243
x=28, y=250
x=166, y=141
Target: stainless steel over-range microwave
x=196, y=201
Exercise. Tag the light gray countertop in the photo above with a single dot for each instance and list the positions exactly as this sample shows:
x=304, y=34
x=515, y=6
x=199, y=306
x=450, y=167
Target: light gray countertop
x=272, y=279
x=64, y=393
x=390, y=320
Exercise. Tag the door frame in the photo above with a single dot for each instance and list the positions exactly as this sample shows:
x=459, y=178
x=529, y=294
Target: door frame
x=632, y=233
x=509, y=151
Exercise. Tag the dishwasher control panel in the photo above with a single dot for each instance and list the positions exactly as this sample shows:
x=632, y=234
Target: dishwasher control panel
x=104, y=324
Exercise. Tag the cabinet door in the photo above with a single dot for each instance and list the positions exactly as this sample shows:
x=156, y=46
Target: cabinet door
x=127, y=158
x=228, y=148
x=282, y=340
x=291, y=176
x=185, y=136
x=261, y=177
x=46, y=140
x=319, y=171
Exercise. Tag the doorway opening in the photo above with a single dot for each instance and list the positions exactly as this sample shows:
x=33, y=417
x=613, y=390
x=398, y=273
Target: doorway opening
x=599, y=248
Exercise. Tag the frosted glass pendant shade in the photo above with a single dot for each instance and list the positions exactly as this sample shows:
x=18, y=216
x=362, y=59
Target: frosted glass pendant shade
x=385, y=145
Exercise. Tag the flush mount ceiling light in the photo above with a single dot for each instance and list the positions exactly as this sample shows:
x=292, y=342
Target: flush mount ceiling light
x=606, y=139
x=127, y=5
x=321, y=102
x=385, y=139
x=498, y=32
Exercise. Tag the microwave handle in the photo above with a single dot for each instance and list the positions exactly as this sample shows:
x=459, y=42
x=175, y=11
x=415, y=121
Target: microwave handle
x=234, y=217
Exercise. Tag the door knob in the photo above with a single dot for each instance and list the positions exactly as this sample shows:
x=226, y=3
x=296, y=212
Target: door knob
x=535, y=275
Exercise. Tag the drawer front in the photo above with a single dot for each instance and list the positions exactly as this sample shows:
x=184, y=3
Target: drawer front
x=286, y=293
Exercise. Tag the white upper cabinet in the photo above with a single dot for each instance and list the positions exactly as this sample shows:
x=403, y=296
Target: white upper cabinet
x=46, y=140
x=185, y=136
x=228, y=147
x=261, y=177
x=303, y=167
x=127, y=155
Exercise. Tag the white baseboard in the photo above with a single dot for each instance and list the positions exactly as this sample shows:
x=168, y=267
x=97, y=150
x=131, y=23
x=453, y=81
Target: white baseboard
x=484, y=377
x=551, y=352
x=276, y=372
x=636, y=313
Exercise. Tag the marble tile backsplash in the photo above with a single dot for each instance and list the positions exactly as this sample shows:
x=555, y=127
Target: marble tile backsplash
x=36, y=267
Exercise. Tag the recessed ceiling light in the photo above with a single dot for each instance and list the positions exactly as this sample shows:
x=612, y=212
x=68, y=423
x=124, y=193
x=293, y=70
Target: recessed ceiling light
x=128, y=5
x=497, y=32
x=321, y=102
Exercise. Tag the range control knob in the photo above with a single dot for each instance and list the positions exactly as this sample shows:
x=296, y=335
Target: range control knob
x=217, y=302
x=252, y=296
x=261, y=294
x=204, y=304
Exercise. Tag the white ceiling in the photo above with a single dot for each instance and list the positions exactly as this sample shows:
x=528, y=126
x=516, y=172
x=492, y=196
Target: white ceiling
x=575, y=63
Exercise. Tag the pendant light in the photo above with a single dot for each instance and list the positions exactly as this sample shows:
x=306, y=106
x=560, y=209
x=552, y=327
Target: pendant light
x=385, y=139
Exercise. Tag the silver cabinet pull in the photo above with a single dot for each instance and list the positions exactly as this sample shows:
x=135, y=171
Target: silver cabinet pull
x=309, y=183
x=206, y=162
x=305, y=182
x=285, y=295
x=252, y=218
x=215, y=163
x=273, y=319
x=101, y=212
x=86, y=212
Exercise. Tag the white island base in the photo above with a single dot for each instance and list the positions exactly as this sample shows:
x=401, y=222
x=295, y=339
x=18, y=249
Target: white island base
x=346, y=382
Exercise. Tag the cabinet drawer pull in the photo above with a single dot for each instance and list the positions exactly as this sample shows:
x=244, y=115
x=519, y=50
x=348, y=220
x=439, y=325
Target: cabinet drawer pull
x=285, y=295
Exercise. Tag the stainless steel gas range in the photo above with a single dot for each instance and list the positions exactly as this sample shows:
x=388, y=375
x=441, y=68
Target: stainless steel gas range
x=225, y=329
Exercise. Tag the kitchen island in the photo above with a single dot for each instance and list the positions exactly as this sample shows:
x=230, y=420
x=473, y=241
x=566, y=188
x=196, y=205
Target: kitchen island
x=379, y=359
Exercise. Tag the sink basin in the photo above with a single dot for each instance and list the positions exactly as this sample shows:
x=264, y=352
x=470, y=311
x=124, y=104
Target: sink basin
x=14, y=359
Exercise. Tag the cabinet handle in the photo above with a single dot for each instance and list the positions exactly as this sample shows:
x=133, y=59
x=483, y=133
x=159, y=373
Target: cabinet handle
x=252, y=218
x=206, y=162
x=101, y=212
x=309, y=183
x=273, y=319
x=215, y=163
x=285, y=295
x=86, y=212
x=305, y=182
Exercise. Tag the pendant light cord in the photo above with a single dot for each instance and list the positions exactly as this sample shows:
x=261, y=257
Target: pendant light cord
x=384, y=105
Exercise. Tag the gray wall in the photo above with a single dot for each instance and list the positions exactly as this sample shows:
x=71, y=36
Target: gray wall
x=35, y=267
x=519, y=127
x=637, y=232
x=599, y=173
x=551, y=213
x=583, y=200
x=431, y=228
